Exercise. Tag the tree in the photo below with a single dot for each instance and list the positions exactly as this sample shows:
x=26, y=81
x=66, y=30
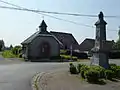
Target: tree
x=16, y=50
x=116, y=46
x=11, y=47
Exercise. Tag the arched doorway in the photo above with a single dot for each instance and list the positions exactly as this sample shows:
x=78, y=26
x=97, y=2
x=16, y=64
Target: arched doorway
x=45, y=50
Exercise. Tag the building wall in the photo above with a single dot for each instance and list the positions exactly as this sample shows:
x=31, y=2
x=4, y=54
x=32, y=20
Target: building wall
x=34, y=46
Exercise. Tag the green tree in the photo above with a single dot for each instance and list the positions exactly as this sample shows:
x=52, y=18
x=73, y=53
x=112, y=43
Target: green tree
x=11, y=47
x=116, y=45
x=16, y=50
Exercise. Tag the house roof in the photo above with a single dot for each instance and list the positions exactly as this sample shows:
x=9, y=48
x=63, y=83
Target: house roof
x=88, y=44
x=66, y=39
x=62, y=35
x=40, y=33
x=29, y=39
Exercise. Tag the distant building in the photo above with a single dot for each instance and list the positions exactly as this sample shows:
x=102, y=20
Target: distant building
x=2, y=45
x=88, y=44
x=67, y=39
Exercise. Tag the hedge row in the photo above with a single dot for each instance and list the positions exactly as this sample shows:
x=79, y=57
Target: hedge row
x=79, y=55
x=95, y=73
x=68, y=57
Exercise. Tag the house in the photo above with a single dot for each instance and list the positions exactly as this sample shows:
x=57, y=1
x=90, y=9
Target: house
x=2, y=45
x=42, y=45
x=88, y=44
x=67, y=39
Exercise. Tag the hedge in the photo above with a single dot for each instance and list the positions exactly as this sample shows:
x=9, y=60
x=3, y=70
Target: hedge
x=95, y=73
x=79, y=55
x=68, y=57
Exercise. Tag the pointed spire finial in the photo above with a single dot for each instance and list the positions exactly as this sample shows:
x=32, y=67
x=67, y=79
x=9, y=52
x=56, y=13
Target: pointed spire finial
x=43, y=24
x=101, y=15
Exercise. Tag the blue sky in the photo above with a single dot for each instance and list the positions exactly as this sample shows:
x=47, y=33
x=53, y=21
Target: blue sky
x=16, y=26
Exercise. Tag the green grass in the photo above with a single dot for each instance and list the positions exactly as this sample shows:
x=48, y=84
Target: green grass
x=8, y=54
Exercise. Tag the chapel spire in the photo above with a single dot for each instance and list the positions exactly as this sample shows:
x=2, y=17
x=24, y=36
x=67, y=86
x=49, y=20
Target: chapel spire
x=43, y=26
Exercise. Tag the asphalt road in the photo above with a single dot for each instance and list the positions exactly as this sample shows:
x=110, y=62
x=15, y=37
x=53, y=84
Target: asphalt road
x=18, y=76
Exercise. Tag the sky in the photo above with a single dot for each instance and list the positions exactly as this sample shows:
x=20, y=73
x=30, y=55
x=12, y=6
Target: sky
x=16, y=26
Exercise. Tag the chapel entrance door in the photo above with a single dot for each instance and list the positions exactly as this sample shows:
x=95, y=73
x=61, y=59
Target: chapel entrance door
x=45, y=50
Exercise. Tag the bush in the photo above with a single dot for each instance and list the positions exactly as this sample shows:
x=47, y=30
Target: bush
x=112, y=64
x=16, y=50
x=78, y=54
x=100, y=69
x=92, y=75
x=109, y=74
x=68, y=57
x=63, y=52
x=79, y=67
x=84, y=68
x=20, y=55
x=8, y=54
x=73, y=69
x=55, y=57
x=116, y=70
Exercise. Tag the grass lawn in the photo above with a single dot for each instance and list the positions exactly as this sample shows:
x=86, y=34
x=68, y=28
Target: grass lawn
x=8, y=54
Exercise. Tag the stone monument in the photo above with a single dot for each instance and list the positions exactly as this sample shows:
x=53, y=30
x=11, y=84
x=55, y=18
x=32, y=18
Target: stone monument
x=100, y=56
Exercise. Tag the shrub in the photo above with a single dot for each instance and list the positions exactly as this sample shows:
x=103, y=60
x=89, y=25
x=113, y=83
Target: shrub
x=112, y=64
x=92, y=75
x=79, y=67
x=109, y=74
x=63, y=52
x=84, y=68
x=118, y=72
x=73, y=69
x=115, y=69
x=8, y=54
x=78, y=54
x=55, y=57
x=16, y=50
x=20, y=55
x=68, y=57
x=100, y=69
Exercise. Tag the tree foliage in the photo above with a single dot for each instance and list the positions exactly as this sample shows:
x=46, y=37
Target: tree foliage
x=16, y=50
x=116, y=46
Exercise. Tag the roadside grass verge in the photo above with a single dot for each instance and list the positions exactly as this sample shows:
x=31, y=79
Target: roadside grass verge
x=8, y=54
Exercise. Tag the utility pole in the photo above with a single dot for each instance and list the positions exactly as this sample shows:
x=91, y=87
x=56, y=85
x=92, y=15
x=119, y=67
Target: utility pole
x=71, y=51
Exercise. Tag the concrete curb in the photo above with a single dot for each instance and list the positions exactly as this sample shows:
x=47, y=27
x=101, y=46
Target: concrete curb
x=35, y=83
x=36, y=80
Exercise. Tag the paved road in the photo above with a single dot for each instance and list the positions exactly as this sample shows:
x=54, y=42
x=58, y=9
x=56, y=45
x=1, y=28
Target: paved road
x=18, y=76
